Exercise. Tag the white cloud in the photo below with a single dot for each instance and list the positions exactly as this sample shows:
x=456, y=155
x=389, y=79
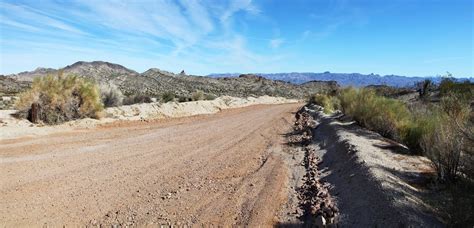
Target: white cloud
x=276, y=43
x=173, y=34
x=27, y=15
x=236, y=6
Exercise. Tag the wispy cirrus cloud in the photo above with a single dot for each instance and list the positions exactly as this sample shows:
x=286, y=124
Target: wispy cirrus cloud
x=276, y=43
x=183, y=30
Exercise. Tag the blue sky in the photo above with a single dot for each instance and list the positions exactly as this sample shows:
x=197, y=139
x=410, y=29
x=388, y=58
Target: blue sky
x=404, y=37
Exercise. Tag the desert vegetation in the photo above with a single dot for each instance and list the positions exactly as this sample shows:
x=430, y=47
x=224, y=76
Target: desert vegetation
x=137, y=99
x=167, y=97
x=111, y=95
x=330, y=103
x=438, y=125
x=57, y=98
x=441, y=131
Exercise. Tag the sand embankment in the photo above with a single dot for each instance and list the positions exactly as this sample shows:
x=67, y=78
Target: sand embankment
x=11, y=127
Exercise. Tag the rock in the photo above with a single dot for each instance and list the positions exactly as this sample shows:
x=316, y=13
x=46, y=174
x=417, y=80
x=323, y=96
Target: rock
x=320, y=221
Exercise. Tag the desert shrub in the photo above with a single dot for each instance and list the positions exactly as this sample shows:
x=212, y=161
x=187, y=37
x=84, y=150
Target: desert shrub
x=198, y=95
x=347, y=99
x=61, y=98
x=461, y=89
x=456, y=106
x=424, y=87
x=184, y=99
x=137, y=99
x=209, y=96
x=449, y=145
x=443, y=147
x=167, y=96
x=385, y=115
x=111, y=95
x=329, y=103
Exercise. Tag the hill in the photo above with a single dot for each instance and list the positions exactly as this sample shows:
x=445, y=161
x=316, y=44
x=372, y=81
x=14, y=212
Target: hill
x=155, y=82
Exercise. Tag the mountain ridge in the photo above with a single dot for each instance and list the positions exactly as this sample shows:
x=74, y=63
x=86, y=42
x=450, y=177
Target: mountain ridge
x=156, y=82
x=345, y=79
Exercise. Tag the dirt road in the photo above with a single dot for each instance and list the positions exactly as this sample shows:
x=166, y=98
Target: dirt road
x=225, y=168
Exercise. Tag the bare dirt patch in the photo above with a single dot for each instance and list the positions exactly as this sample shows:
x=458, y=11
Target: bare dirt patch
x=222, y=169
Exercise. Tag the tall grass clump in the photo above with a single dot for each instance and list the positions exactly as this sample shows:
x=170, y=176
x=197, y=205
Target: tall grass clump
x=329, y=103
x=387, y=116
x=60, y=98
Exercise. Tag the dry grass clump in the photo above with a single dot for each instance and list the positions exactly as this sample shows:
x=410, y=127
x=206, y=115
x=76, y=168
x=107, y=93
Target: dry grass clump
x=329, y=103
x=60, y=98
x=385, y=115
x=111, y=95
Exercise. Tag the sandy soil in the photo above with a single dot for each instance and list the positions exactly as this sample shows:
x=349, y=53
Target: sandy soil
x=222, y=169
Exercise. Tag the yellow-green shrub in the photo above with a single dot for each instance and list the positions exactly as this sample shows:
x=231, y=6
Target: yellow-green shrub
x=443, y=132
x=385, y=115
x=329, y=103
x=61, y=98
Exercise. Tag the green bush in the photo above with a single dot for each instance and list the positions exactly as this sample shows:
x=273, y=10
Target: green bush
x=61, y=98
x=329, y=103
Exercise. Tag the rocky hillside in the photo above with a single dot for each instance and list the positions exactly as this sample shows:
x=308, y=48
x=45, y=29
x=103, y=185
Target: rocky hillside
x=155, y=82
x=9, y=88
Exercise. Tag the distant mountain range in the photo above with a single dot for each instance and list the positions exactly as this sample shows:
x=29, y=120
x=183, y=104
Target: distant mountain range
x=344, y=79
